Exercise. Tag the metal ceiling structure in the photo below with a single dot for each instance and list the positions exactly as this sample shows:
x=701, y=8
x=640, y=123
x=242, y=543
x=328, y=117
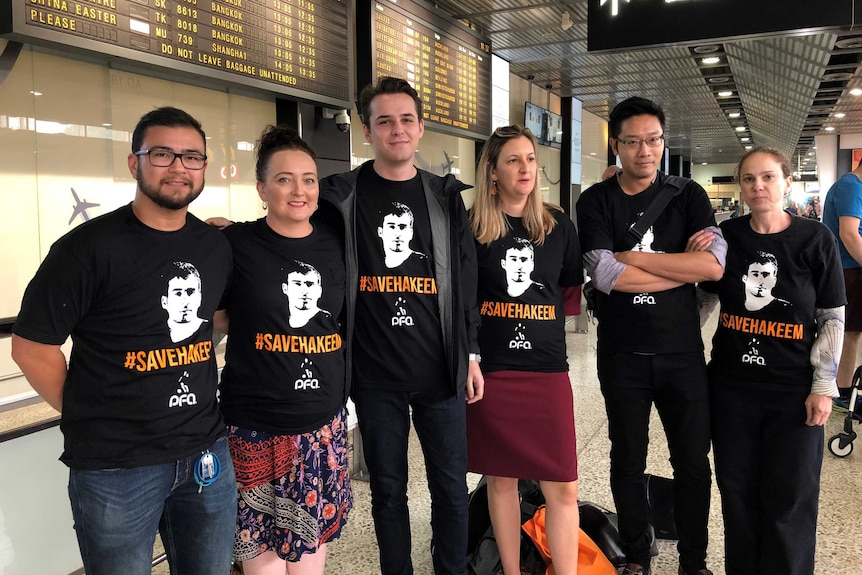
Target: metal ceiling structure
x=783, y=90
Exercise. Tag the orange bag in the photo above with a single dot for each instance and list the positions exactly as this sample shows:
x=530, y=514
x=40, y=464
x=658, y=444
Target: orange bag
x=591, y=560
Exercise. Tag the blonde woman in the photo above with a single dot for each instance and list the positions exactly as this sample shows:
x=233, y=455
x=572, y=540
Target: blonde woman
x=524, y=427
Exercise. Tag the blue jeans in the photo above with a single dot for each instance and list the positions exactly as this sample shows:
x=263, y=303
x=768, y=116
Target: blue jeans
x=118, y=511
x=677, y=384
x=440, y=422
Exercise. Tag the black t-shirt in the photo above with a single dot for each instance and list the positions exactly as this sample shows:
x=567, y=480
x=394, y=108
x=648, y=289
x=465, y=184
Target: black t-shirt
x=770, y=289
x=655, y=322
x=284, y=367
x=138, y=303
x=520, y=298
x=398, y=343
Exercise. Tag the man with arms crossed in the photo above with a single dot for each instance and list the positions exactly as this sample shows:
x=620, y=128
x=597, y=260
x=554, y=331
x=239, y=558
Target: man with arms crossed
x=144, y=439
x=842, y=213
x=416, y=327
x=649, y=343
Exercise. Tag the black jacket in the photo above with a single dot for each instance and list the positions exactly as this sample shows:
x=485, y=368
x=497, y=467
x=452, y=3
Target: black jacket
x=454, y=261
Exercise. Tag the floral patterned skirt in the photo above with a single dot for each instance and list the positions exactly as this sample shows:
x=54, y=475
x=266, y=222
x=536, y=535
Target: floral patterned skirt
x=294, y=490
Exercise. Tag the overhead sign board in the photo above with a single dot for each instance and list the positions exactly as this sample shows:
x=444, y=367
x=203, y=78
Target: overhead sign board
x=618, y=25
x=296, y=47
x=448, y=64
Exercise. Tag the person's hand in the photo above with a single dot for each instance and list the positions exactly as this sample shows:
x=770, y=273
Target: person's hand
x=219, y=222
x=817, y=409
x=610, y=172
x=699, y=241
x=475, y=383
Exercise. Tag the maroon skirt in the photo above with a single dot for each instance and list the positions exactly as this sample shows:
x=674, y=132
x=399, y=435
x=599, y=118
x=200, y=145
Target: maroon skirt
x=524, y=427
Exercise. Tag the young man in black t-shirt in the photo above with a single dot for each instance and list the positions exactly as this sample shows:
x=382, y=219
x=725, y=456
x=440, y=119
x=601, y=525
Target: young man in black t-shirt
x=144, y=439
x=649, y=343
x=412, y=282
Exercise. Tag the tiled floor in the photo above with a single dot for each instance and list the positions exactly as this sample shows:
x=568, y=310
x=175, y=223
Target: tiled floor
x=840, y=529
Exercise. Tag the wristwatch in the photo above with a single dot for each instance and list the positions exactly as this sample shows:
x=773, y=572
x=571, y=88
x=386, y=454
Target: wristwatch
x=475, y=357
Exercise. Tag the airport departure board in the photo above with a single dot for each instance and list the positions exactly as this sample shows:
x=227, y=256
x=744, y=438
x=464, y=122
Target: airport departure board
x=448, y=64
x=297, y=47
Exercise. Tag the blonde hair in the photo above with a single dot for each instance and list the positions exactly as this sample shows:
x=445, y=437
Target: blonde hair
x=487, y=218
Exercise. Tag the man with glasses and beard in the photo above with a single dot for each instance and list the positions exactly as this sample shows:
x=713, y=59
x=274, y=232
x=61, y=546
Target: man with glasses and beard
x=144, y=439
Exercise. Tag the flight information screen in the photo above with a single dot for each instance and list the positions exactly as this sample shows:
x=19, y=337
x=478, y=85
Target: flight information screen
x=448, y=64
x=297, y=47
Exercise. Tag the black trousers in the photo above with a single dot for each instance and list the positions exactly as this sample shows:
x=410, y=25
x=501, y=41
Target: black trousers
x=767, y=464
x=677, y=384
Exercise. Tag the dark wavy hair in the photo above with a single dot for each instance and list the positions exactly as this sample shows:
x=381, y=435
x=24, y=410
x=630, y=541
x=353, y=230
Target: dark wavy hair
x=275, y=139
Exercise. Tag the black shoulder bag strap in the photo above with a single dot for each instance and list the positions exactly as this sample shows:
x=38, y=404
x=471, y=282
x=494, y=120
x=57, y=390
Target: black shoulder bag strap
x=670, y=187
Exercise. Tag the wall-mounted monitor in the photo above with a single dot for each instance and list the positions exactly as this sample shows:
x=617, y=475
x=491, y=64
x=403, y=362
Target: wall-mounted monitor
x=555, y=130
x=535, y=119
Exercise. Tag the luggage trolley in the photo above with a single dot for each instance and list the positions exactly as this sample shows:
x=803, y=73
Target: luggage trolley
x=841, y=444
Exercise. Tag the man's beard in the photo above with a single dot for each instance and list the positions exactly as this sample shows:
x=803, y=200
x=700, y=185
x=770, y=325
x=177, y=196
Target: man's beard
x=164, y=201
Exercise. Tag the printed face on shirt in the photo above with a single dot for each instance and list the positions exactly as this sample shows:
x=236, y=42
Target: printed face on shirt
x=173, y=187
x=396, y=232
x=183, y=299
x=303, y=290
x=518, y=264
x=393, y=129
x=760, y=280
x=182, y=302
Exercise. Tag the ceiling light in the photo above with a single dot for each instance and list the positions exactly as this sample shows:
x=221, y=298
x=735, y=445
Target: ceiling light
x=734, y=115
x=728, y=93
x=829, y=129
x=107, y=124
x=740, y=128
x=856, y=92
x=837, y=76
x=748, y=147
x=566, y=21
x=840, y=114
x=703, y=163
x=35, y=93
x=711, y=60
x=746, y=139
x=706, y=49
x=720, y=80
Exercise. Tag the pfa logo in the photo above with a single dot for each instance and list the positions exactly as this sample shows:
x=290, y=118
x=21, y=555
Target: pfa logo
x=183, y=396
x=643, y=298
x=307, y=379
x=753, y=355
x=520, y=340
x=401, y=317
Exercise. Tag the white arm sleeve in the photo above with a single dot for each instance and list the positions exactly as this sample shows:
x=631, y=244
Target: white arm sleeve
x=604, y=269
x=706, y=303
x=826, y=350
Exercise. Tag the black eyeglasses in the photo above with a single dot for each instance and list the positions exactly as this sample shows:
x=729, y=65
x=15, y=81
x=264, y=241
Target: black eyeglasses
x=163, y=158
x=633, y=144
